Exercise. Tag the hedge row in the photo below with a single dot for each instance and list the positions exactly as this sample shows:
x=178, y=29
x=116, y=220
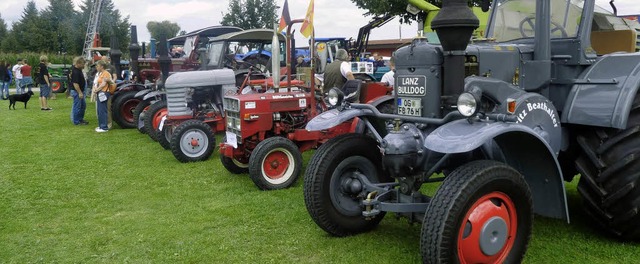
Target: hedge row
x=34, y=58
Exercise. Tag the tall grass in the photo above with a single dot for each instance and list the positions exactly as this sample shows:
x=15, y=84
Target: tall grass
x=34, y=58
x=70, y=195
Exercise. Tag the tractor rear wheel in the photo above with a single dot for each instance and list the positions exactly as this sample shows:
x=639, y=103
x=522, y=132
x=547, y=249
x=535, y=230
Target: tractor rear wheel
x=153, y=117
x=232, y=165
x=610, y=176
x=331, y=192
x=136, y=115
x=192, y=140
x=275, y=163
x=482, y=213
x=123, y=107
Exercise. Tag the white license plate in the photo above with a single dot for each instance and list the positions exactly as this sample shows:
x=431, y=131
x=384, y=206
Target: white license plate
x=232, y=139
x=409, y=106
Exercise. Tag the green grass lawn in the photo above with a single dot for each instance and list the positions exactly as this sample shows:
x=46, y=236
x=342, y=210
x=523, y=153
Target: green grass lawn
x=70, y=195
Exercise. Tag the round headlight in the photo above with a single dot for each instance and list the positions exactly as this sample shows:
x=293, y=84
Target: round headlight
x=467, y=104
x=335, y=97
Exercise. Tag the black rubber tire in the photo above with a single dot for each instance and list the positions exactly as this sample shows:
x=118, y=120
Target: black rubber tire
x=454, y=199
x=192, y=130
x=271, y=150
x=232, y=165
x=349, y=151
x=609, y=165
x=148, y=120
x=164, y=136
x=123, y=107
x=136, y=115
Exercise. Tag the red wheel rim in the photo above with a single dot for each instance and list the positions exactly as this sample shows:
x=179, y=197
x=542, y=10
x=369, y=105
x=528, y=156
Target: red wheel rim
x=276, y=164
x=126, y=111
x=157, y=118
x=55, y=86
x=478, y=239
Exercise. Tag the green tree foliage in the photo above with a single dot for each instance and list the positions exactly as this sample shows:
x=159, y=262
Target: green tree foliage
x=3, y=28
x=59, y=27
x=396, y=7
x=250, y=14
x=167, y=28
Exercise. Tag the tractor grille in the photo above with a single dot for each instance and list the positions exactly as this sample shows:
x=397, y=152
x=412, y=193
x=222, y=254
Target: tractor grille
x=232, y=109
x=177, y=102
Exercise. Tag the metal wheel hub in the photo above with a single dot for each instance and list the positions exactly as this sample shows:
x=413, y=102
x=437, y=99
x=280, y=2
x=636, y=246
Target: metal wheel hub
x=278, y=166
x=194, y=143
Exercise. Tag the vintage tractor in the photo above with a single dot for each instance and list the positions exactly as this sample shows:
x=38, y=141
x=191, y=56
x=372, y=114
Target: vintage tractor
x=194, y=99
x=265, y=131
x=129, y=95
x=501, y=123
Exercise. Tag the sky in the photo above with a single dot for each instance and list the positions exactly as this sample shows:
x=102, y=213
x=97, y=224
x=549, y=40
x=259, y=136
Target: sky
x=333, y=18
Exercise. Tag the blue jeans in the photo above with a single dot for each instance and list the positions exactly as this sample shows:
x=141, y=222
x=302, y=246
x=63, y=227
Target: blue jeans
x=27, y=82
x=78, y=108
x=4, y=89
x=19, y=88
x=101, y=111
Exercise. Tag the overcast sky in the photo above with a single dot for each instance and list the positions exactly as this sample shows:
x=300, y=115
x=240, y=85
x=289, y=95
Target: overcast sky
x=333, y=18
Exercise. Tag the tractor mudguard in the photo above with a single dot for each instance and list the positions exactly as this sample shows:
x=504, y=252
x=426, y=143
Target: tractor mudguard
x=380, y=100
x=603, y=95
x=333, y=118
x=130, y=87
x=142, y=92
x=150, y=94
x=519, y=146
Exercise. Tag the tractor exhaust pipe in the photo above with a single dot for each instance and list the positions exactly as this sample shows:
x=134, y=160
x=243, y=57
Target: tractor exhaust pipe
x=163, y=58
x=134, y=51
x=115, y=54
x=454, y=25
x=542, y=44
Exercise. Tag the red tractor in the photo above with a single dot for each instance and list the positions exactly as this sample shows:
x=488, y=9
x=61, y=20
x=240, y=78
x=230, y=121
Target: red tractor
x=194, y=99
x=266, y=131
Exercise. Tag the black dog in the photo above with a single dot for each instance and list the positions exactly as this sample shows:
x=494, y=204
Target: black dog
x=19, y=97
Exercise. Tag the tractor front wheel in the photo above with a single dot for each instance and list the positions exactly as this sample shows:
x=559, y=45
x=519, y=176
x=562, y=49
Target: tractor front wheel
x=275, y=163
x=164, y=136
x=123, y=107
x=233, y=165
x=332, y=188
x=482, y=213
x=140, y=108
x=193, y=140
x=153, y=117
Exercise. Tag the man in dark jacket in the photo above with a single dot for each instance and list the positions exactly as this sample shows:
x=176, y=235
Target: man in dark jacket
x=338, y=72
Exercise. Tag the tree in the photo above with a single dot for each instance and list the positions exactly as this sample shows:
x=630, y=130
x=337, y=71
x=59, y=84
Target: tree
x=396, y=7
x=248, y=14
x=61, y=22
x=167, y=28
x=111, y=23
x=3, y=28
x=29, y=31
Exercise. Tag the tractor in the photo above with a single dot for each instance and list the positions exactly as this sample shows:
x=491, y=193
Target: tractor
x=500, y=124
x=195, y=99
x=129, y=95
x=265, y=132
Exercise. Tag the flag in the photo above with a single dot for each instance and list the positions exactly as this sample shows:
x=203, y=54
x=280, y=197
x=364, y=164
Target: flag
x=307, y=26
x=285, y=19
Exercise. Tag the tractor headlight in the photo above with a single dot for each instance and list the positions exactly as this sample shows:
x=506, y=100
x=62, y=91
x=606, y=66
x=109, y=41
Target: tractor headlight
x=335, y=97
x=468, y=104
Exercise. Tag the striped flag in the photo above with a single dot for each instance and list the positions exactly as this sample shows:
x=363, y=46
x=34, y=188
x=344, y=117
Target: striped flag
x=307, y=26
x=285, y=19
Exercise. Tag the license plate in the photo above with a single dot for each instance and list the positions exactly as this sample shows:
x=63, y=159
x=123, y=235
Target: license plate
x=232, y=139
x=409, y=106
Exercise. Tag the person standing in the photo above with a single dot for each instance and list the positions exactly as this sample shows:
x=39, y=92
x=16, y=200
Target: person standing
x=5, y=80
x=114, y=76
x=45, y=83
x=18, y=76
x=100, y=95
x=338, y=72
x=27, y=81
x=78, y=83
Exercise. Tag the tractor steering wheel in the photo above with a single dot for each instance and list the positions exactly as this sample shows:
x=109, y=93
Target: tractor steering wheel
x=530, y=23
x=258, y=61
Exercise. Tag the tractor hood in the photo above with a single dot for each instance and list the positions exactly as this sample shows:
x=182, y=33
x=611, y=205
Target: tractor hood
x=200, y=78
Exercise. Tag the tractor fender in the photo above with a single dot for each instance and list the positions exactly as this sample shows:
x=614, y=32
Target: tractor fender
x=517, y=145
x=603, y=95
x=142, y=92
x=150, y=94
x=130, y=87
x=333, y=118
x=380, y=100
